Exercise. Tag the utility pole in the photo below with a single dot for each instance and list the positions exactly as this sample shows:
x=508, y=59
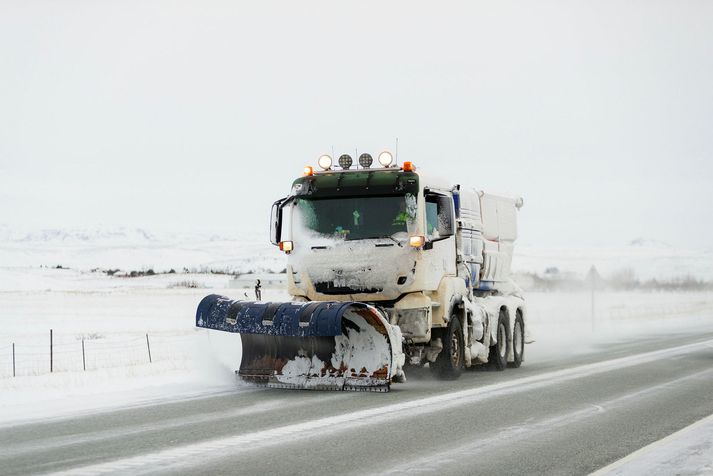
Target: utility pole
x=593, y=279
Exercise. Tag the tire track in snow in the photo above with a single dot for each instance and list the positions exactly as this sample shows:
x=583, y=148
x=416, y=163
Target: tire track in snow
x=194, y=454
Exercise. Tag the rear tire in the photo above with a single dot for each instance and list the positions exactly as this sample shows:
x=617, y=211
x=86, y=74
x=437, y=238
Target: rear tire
x=450, y=362
x=518, y=342
x=498, y=358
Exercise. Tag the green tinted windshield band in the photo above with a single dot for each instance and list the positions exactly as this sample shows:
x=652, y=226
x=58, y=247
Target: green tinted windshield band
x=367, y=183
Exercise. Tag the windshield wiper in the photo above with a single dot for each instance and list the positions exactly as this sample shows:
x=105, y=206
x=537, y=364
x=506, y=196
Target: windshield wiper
x=385, y=238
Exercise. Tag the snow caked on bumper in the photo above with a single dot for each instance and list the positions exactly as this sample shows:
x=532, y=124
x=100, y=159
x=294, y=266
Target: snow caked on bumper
x=313, y=345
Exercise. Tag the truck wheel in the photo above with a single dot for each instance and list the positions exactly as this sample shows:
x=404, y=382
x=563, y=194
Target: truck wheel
x=498, y=358
x=449, y=363
x=518, y=342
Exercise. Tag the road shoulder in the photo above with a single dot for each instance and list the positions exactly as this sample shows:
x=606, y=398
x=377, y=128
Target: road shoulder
x=688, y=451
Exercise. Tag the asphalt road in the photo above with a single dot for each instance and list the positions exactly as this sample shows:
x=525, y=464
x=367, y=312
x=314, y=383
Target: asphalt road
x=568, y=415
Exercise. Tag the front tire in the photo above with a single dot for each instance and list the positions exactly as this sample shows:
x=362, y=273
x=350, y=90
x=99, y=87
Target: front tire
x=450, y=362
x=498, y=358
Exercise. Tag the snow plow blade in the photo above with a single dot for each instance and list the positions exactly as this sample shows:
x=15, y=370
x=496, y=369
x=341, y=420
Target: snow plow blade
x=312, y=345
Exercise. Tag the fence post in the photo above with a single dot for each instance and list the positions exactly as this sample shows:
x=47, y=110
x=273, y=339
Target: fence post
x=13, y=359
x=51, y=353
x=84, y=360
x=148, y=346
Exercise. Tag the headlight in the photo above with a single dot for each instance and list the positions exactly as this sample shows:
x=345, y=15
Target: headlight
x=412, y=322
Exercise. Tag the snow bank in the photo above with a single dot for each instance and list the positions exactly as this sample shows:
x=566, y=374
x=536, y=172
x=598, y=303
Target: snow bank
x=114, y=322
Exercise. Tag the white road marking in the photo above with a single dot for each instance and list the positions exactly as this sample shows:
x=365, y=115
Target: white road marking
x=663, y=456
x=193, y=454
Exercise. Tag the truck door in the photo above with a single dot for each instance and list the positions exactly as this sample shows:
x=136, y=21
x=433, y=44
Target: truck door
x=440, y=248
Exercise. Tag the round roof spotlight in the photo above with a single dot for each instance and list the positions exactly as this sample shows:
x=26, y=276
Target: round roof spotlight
x=386, y=159
x=325, y=162
x=365, y=160
x=345, y=161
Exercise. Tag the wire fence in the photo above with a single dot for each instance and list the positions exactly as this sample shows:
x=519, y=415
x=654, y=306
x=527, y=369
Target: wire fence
x=86, y=353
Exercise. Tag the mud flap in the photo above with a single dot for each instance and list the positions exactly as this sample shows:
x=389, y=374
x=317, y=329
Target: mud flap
x=314, y=345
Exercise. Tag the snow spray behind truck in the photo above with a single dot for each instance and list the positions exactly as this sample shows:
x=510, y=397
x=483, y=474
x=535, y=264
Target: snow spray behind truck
x=386, y=267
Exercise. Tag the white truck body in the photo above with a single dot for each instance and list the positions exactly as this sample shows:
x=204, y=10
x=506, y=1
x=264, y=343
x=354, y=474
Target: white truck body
x=446, y=256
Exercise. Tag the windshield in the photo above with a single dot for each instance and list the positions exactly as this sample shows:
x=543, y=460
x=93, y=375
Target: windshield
x=357, y=218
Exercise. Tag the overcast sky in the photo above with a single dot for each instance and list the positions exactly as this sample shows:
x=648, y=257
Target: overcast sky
x=195, y=116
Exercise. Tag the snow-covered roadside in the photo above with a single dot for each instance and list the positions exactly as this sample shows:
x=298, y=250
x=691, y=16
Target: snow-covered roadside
x=202, y=364
x=113, y=315
x=117, y=313
x=562, y=324
x=686, y=452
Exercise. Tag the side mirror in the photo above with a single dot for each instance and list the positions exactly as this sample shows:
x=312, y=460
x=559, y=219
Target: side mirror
x=276, y=221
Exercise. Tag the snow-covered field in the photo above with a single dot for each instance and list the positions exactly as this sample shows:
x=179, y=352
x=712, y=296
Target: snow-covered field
x=137, y=249
x=112, y=315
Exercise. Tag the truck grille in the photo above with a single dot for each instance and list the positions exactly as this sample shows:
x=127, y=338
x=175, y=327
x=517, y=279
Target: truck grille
x=329, y=288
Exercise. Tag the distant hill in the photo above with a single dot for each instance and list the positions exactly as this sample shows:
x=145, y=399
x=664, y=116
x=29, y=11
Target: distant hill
x=649, y=243
x=246, y=250
x=137, y=249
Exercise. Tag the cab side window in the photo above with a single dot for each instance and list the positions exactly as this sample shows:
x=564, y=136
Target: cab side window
x=439, y=216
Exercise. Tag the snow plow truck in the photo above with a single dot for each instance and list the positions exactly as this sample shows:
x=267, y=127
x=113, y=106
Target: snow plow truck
x=387, y=268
